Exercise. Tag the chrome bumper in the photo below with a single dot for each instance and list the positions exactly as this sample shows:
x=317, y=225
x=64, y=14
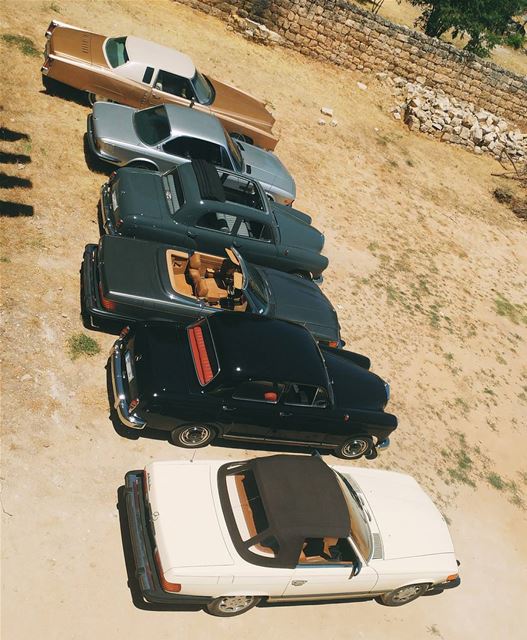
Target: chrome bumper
x=119, y=397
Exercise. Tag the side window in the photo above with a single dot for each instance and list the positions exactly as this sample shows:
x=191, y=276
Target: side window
x=194, y=149
x=218, y=222
x=255, y=230
x=306, y=395
x=259, y=391
x=326, y=551
x=147, y=78
x=176, y=85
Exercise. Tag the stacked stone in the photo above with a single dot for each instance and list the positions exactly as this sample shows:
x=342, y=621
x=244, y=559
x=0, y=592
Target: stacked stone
x=351, y=37
x=457, y=122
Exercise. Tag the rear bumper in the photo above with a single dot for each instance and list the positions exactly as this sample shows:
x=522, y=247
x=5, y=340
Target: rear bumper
x=439, y=588
x=143, y=549
x=119, y=395
x=106, y=210
x=90, y=134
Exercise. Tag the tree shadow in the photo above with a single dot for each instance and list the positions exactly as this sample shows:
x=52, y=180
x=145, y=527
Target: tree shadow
x=8, y=135
x=14, y=158
x=8, y=182
x=14, y=209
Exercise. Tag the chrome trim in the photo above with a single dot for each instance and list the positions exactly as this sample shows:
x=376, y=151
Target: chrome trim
x=256, y=438
x=119, y=397
x=322, y=597
x=383, y=444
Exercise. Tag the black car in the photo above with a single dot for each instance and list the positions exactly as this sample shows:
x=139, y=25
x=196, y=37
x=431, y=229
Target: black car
x=246, y=378
x=124, y=280
x=199, y=206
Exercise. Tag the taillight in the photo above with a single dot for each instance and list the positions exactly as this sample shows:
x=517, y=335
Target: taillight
x=118, y=222
x=200, y=355
x=109, y=305
x=133, y=404
x=171, y=587
x=333, y=343
x=288, y=202
x=124, y=332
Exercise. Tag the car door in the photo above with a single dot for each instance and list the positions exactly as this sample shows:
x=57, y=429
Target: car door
x=300, y=416
x=327, y=577
x=248, y=410
x=215, y=230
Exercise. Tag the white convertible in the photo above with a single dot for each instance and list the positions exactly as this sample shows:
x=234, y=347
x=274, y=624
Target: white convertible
x=228, y=535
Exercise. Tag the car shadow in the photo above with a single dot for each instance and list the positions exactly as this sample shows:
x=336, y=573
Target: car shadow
x=63, y=91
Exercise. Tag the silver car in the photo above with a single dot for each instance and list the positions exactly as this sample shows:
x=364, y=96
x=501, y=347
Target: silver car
x=167, y=135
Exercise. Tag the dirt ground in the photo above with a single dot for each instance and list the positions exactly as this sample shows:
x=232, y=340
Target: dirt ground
x=427, y=271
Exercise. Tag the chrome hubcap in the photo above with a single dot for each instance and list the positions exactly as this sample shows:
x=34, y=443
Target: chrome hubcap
x=194, y=435
x=355, y=448
x=406, y=593
x=233, y=604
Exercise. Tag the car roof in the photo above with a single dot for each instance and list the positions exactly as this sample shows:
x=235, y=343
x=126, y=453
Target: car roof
x=194, y=123
x=261, y=348
x=301, y=499
x=160, y=57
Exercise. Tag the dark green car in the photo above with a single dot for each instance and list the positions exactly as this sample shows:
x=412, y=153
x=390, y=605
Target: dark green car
x=201, y=207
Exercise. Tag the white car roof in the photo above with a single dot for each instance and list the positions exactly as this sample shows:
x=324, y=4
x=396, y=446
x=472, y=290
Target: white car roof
x=160, y=57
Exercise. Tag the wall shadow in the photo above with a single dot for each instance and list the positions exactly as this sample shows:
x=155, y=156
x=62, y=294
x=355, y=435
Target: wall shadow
x=8, y=182
x=15, y=209
x=8, y=135
x=14, y=158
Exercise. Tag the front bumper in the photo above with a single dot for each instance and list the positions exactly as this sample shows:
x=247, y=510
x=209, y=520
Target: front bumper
x=119, y=395
x=143, y=549
x=106, y=210
x=90, y=134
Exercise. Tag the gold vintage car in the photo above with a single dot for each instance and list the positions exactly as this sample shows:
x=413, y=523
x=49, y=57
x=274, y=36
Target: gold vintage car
x=140, y=73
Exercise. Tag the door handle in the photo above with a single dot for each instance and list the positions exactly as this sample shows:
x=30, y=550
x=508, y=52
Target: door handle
x=285, y=414
x=191, y=234
x=227, y=408
x=298, y=583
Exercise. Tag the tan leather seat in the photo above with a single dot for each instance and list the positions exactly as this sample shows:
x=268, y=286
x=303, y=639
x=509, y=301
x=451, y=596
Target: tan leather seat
x=199, y=285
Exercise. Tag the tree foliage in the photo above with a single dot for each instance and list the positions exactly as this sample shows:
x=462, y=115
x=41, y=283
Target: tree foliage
x=485, y=22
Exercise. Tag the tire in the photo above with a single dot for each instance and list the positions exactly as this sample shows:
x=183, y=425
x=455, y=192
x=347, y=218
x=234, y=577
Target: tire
x=354, y=448
x=193, y=436
x=403, y=595
x=229, y=606
x=143, y=165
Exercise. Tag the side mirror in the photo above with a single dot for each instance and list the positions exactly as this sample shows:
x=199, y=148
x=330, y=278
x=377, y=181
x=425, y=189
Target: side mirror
x=192, y=103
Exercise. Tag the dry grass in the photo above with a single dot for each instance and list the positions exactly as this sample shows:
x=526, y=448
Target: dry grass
x=419, y=253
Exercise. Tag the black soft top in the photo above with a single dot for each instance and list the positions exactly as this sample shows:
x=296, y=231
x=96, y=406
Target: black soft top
x=209, y=183
x=252, y=347
x=301, y=499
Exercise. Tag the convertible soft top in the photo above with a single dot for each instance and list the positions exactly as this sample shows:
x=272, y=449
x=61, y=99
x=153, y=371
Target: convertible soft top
x=301, y=499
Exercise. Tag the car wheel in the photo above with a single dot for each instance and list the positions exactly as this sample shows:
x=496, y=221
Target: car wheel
x=193, y=436
x=403, y=595
x=354, y=448
x=228, y=606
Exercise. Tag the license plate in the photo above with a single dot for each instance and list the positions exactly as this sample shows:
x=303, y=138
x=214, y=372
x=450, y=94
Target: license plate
x=129, y=369
x=114, y=201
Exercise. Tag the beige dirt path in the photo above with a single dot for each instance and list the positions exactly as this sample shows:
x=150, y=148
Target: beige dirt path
x=428, y=274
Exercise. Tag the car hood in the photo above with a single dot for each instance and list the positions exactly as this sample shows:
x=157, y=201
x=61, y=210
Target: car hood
x=301, y=300
x=295, y=229
x=233, y=102
x=187, y=530
x=114, y=122
x=409, y=523
x=265, y=167
x=78, y=44
x=140, y=194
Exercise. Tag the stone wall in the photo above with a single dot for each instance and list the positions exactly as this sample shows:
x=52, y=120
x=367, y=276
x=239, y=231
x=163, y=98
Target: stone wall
x=349, y=36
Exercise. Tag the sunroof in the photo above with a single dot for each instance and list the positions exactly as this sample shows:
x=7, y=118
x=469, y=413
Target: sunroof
x=209, y=183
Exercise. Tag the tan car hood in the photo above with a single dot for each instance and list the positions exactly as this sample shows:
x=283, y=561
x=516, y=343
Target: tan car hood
x=81, y=45
x=233, y=102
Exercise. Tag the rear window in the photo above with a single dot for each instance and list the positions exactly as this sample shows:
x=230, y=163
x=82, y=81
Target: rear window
x=203, y=353
x=116, y=51
x=152, y=125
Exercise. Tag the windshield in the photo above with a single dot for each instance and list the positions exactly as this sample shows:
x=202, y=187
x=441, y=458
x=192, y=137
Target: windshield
x=151, y=125
x=256, y=286
x=360, y=529
x=235, y=152
x=116, y=51
x=202, y=88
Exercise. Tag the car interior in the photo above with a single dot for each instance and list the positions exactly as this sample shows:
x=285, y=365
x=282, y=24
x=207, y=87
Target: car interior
x=218, y=281
x=326, y=551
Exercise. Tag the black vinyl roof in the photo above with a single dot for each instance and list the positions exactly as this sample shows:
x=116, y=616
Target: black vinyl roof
x=260, y=348
x=301, y=499
x=209, y=183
